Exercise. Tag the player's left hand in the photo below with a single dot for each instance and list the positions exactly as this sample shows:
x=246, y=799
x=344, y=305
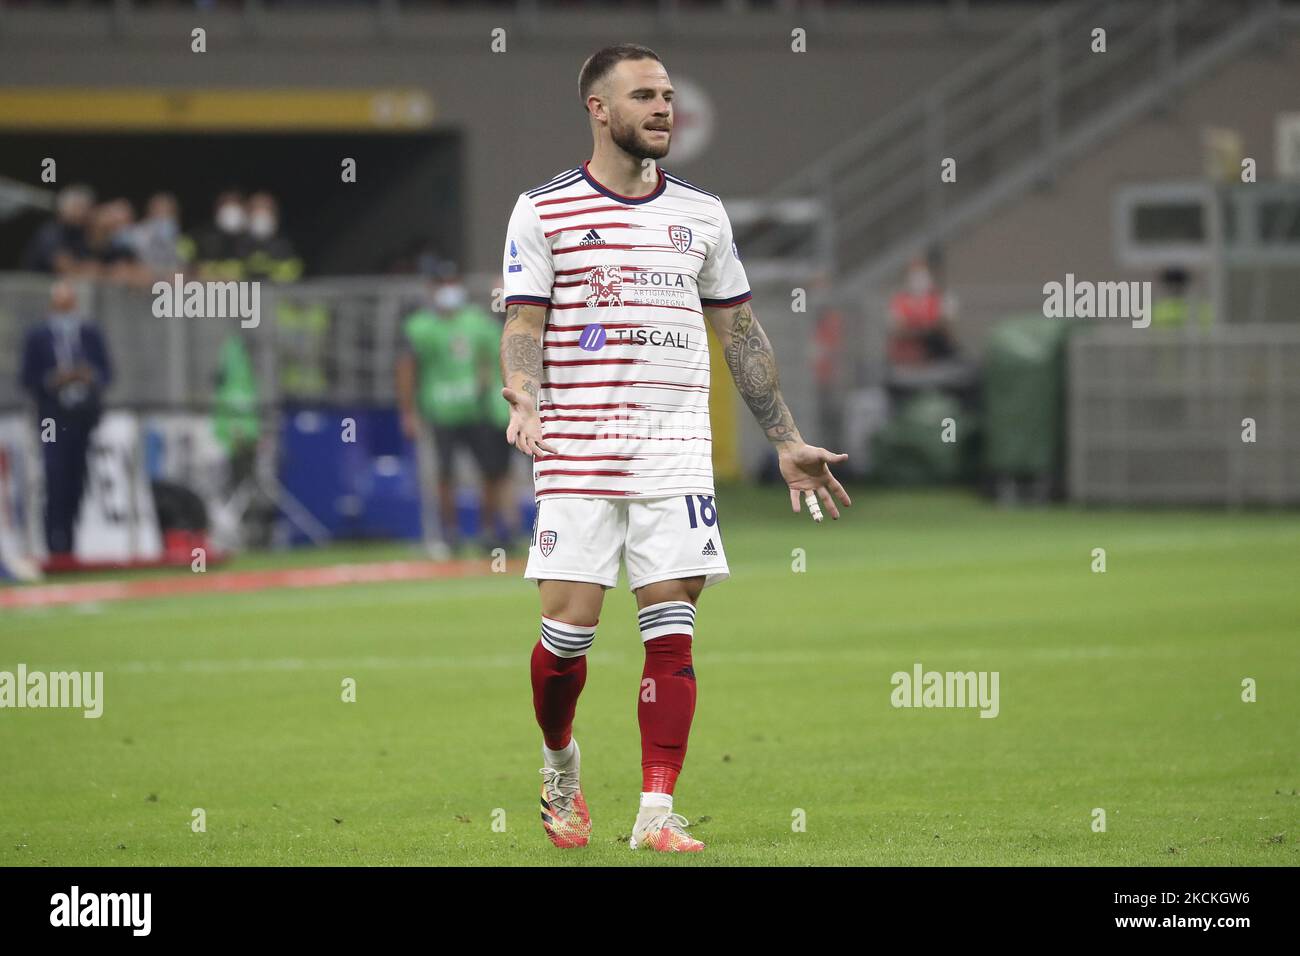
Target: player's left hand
x=806, y=468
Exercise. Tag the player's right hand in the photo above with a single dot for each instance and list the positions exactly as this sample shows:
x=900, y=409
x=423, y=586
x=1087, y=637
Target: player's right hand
x=525, y=428
x=806, y=470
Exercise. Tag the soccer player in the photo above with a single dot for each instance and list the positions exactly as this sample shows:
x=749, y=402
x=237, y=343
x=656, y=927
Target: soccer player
x=611, y=270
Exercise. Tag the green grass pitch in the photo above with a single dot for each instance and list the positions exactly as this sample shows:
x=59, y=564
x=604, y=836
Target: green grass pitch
x=1118, y=690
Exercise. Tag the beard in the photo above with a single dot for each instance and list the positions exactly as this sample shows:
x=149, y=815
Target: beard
x=632, y=141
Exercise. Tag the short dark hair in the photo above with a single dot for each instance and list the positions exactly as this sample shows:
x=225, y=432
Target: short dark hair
x=602, y=61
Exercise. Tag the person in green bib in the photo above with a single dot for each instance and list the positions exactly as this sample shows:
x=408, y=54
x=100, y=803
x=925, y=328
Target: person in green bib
x=1174, y=307
x=446, y=379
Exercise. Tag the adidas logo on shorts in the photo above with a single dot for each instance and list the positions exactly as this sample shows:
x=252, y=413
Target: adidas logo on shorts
x=592, y=238
x=709, y=549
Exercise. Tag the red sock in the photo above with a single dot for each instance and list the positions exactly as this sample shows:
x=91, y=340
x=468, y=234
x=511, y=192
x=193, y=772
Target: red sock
x=557, y=682
x=664, y=710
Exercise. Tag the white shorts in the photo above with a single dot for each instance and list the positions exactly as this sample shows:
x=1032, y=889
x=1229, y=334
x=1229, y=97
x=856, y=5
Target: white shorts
x=582, y=539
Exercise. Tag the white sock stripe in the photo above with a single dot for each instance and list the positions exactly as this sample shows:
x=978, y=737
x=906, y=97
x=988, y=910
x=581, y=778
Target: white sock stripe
x=667, y=617
x=654, y=610
x=564, y=651
x=570, y=635
x=683, y=610
x=671, y=619
x=565, y=642
x=553, y=647
x=664, y=616
x=569, y=630
x=663, y=630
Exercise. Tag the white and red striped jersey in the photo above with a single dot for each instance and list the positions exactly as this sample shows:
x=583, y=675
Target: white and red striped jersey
x=624, y=397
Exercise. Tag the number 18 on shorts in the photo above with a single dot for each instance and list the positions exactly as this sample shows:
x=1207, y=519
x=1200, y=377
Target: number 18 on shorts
x=583, y=539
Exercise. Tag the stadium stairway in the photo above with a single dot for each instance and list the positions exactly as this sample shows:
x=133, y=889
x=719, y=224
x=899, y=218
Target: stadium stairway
x=1012, y=119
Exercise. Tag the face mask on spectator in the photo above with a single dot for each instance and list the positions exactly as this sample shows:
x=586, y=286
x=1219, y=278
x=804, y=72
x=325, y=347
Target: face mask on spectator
x=262, y=225
x=231, y=218
x=448, y=298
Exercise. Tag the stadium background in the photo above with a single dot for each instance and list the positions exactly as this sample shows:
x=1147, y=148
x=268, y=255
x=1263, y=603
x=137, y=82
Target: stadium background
x=977, y=552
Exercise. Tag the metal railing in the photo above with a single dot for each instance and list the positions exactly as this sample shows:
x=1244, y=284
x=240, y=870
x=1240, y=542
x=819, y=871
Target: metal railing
x=334, y=343
x=323, y=341
x=1010, y=119
x=1186, y=417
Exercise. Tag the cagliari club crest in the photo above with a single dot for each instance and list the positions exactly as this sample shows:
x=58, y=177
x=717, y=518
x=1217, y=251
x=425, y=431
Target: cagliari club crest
x=680, y=236
x=547, y=543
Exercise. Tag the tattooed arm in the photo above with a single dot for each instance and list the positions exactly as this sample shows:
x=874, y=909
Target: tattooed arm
x=521, y=372
x=749, y=356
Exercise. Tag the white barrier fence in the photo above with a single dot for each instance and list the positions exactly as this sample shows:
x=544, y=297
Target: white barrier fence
x=1189, y=417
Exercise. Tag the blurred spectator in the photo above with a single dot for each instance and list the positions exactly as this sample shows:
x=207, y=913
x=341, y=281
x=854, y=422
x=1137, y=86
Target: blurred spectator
x=1174, y=307
x=266, y=253
x=235, y=418
x=243, y=240
x=418, y=257
x=828, y=361
x=110, y=243
x=302, y=324
x=237, y=424
x=450, y=361
x=59, y=246
x=920, y=314
x=65, y=368
x=156, y=239
x=215, y=251
x=498, y=453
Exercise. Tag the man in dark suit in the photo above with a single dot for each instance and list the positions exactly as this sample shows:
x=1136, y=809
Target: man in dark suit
x=65, y=369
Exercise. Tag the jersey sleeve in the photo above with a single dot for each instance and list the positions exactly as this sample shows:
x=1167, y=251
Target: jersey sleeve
x=722, y=279
x=527, y=266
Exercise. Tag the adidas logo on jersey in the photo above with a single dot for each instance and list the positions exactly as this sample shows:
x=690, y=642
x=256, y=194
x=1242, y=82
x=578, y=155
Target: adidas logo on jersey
x=709, y=549
x=592, y=238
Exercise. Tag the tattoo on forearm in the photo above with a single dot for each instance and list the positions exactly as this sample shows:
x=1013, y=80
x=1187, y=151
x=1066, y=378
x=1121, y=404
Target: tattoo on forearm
x=753, y=366
x=521, y=354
